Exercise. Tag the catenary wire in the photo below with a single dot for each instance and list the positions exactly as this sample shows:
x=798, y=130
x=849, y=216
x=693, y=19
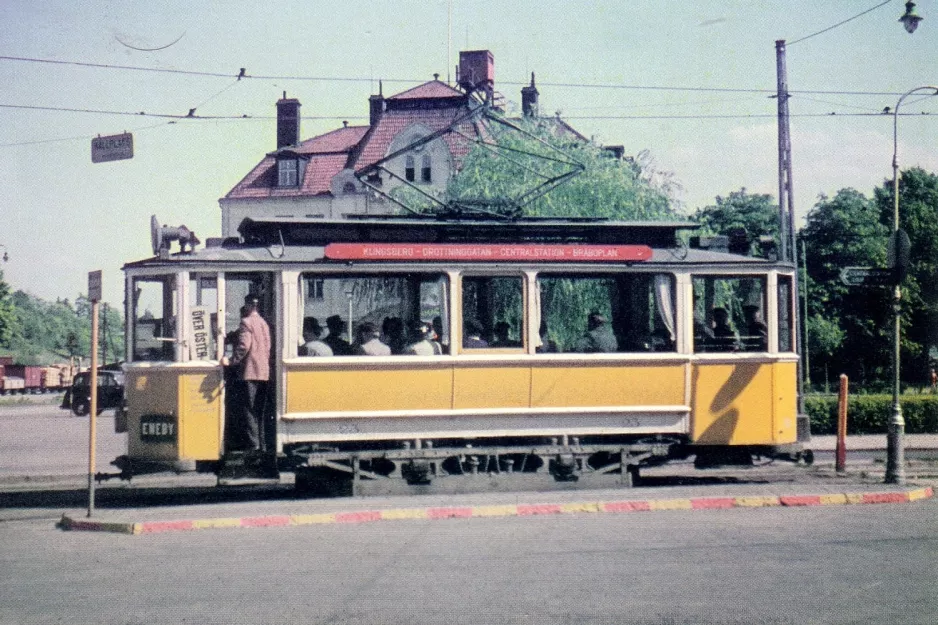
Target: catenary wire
x=850, y=19
x=242, y=73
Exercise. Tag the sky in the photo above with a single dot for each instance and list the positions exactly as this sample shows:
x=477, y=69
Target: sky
x=691, y=83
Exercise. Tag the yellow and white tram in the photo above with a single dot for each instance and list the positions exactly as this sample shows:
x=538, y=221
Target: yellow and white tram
x=562, y=351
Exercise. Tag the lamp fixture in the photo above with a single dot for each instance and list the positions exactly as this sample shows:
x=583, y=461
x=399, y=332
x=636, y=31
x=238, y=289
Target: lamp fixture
x=910, y=20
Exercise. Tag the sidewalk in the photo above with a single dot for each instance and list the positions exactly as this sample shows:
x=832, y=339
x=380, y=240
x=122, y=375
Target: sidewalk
x=873, y=442
x=692, y=491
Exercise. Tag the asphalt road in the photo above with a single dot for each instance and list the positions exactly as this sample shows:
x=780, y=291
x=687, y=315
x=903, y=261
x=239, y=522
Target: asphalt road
x=821, y=565
x=833, y=564
x=39, y=439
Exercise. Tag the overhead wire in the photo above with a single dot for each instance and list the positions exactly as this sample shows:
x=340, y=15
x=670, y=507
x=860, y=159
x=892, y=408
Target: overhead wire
x=243, y=74
x=829, y=28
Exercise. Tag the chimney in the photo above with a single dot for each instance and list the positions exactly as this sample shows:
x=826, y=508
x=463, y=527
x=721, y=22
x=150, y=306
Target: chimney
x=376, y=105
x=477, y=71
x=288, y=121
x=529, y=99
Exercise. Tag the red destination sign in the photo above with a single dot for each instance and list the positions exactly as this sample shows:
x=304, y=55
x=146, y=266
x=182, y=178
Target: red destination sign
x=487, y=252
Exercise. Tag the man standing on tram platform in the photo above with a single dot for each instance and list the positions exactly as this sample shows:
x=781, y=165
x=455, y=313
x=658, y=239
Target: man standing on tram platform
x=252, y=362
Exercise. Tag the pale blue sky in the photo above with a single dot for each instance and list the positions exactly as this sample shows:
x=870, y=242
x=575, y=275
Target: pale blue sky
x=62, y=216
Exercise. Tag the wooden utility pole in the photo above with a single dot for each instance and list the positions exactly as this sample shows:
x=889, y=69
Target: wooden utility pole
x=786, y=205
x=94, y=294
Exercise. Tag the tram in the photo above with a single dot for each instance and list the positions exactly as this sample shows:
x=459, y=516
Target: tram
x=563, y=352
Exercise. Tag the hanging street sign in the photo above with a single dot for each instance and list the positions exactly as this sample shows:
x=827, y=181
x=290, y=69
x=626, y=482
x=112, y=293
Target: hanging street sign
x=112, y=148
x=94, y=285
x=867, y=276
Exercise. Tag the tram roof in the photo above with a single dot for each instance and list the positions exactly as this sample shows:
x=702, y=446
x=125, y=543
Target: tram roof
x=279, y=242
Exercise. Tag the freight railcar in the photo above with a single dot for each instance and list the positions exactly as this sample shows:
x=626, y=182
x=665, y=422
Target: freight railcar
x=561, y=352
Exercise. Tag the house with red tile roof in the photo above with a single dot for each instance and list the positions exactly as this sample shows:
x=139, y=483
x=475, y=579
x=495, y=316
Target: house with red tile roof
x=419, y=137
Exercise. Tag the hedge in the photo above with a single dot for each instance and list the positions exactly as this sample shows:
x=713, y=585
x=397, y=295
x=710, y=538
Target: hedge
x=869, y=414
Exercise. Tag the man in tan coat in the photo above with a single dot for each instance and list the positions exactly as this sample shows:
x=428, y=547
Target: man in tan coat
x=252, y=361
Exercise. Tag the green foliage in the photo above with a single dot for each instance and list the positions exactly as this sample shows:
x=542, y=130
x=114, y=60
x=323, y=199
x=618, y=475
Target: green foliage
x=848, y=327
x=45, y=333
x=754, y=213
x=497, y=179
x=870, y=414
x=7, y=319
x=918, y=216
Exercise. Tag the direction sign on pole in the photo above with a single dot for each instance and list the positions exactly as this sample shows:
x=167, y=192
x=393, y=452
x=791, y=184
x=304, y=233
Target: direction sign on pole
x=94, y=285
x=867, y=276
x=112, y=148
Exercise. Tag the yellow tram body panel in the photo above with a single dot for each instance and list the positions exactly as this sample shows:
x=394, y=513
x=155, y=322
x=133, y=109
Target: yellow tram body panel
x=597, y=384
x=466, y=386
x=344, y=388
x=174, y=414
x=742, y=403
x=745, y=403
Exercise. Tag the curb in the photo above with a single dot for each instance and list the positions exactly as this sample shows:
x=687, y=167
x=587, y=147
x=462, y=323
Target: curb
x=511, y=510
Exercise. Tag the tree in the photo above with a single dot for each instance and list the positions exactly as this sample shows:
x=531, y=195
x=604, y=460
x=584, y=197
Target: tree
x=45, y=332
x=755, y=213
x=918, y=216
x=497, y=178
x=840, y=232
x=7, y=318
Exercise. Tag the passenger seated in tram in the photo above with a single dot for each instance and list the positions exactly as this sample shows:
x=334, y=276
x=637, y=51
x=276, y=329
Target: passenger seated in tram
x=392, y=330
x=757, y=333
x=369, y=342
x=661, y=340
x=420, y=344
x=437, y=325
x=340, y=347
x=548, y=345
x=502, y=336
x=313, y=346
x=598, y=338
x=725, y=338
x=472, y=335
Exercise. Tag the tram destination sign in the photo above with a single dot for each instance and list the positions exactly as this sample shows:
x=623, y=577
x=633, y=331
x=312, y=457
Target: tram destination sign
x=487, y=252
x=112, y=148
x=867, y=276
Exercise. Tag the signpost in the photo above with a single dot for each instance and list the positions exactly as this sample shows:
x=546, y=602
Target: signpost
x=94, y=294
x=867, y=276
x=112, y=148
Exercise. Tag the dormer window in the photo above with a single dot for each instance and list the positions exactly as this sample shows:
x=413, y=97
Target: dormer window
x=410, y=169
x=288, y=172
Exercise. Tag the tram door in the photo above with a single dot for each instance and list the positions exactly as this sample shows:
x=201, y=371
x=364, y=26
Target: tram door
x=238, y=288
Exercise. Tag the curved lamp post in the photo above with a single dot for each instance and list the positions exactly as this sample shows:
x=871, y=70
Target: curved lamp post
x=895, y=445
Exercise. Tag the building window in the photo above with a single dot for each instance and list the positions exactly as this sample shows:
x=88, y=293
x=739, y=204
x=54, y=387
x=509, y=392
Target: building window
x=426, y=173
x=409, y=169
x=288, y=172
x=349, y=187
x=314, y=288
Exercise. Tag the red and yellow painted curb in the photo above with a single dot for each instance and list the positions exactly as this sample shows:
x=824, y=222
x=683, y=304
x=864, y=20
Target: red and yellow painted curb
x=510, y=510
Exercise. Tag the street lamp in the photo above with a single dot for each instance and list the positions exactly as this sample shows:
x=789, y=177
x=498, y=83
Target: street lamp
x=895, y=445
x=910, y=20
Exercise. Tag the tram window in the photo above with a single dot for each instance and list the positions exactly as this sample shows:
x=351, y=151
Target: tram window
x=729, y=314
x=632, y=312
x=493, y=312
x=785, y=316
x=373, y=314
x=203, y=317
x=154, y=321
